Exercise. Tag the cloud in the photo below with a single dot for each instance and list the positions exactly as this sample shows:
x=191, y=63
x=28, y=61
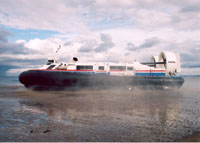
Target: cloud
x=68, y=43
x=130, y=46
x=7, y=47
x=26, y=14
x=92, y=45
x=16, y=55
x=148, y=43
x=106, y=43
x=88, y=16
x=3, y=35
x=138, y=29
x=194, y=8
x=190, y=6
x=81, y=16
x=88, y=46
x=190, y=59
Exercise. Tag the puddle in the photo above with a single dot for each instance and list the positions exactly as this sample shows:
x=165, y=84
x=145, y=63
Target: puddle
x=13, y=114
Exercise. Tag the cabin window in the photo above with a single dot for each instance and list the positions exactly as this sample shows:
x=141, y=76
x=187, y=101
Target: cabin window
x=84, y=67
x=101, y=68
x=51, y=67
x=120, y=68
x=130, y=68
x=50, y=62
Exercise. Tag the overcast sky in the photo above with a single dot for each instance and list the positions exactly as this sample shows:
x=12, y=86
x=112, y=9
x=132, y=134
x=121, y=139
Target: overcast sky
x=97, y=30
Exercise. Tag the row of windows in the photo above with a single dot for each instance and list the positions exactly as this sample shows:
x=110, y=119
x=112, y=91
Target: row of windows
x=121, y=68
x=130, y=68
x=101, y=68
x=84, y=67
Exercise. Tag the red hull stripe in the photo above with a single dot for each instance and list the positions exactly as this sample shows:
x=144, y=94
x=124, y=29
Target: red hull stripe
x=99, y=71
x=59, y=70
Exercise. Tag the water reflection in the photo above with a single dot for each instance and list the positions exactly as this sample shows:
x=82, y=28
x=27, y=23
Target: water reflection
x=152, y=115
x=106, y=115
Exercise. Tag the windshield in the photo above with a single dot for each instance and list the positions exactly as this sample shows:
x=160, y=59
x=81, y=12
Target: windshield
x=49, y=62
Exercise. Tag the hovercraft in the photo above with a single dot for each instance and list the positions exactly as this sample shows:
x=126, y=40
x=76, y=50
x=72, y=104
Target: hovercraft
x=161, y=73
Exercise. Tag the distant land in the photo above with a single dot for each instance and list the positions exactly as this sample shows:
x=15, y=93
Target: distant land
x=190, y=75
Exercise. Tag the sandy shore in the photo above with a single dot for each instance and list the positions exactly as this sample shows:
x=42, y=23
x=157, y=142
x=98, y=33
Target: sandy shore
x=106, y=115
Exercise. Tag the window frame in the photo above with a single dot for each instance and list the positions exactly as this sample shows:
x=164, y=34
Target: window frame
x=117, y=68
x=101, y=68
x=128, y=69
x=84, y=67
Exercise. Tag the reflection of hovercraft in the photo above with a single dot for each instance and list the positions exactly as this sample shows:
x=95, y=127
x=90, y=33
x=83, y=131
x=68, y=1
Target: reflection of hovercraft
x=160, y=73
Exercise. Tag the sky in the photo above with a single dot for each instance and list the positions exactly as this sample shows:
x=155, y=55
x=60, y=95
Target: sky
x=97, y=30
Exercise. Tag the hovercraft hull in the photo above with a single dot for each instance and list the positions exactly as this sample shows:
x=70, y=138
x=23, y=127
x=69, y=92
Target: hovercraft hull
x=50, y=80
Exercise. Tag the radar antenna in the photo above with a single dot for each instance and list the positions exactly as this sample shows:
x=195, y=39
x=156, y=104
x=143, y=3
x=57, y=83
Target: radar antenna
x=58, y=48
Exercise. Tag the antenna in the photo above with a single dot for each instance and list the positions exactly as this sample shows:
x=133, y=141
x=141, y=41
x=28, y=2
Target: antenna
x=56, y=56
x=58, y=48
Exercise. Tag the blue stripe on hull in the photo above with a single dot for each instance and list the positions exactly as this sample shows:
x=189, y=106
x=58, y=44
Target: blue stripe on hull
x=150, y=74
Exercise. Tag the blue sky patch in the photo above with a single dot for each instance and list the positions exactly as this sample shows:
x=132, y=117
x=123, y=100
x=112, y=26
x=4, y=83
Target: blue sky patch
x=28, y=34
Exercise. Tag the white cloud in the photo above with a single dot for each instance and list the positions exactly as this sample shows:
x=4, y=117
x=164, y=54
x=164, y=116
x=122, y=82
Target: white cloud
x=88, y=46
x=106, y=43
x=80, y=16
x=16, y=71
x=21, y=41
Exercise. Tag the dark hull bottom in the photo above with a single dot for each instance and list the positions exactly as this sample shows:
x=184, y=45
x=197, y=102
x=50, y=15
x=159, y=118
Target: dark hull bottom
x=59, y=80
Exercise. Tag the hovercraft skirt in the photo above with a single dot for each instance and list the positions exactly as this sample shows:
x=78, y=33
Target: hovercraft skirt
x=66, y=79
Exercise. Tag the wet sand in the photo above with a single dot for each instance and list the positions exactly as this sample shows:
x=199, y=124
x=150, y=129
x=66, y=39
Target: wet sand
x=103, y=115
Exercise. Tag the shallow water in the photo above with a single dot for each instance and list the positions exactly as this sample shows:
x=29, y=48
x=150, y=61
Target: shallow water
x=9, y=81
x=105, y=115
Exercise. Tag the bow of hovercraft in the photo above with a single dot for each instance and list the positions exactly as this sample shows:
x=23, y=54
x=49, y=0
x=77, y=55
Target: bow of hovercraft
x=33, y=79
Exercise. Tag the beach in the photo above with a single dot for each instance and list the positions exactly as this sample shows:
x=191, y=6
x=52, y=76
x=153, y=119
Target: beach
x=118, y=114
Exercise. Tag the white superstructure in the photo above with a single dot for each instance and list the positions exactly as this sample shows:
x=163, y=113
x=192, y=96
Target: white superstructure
x=166, y=64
